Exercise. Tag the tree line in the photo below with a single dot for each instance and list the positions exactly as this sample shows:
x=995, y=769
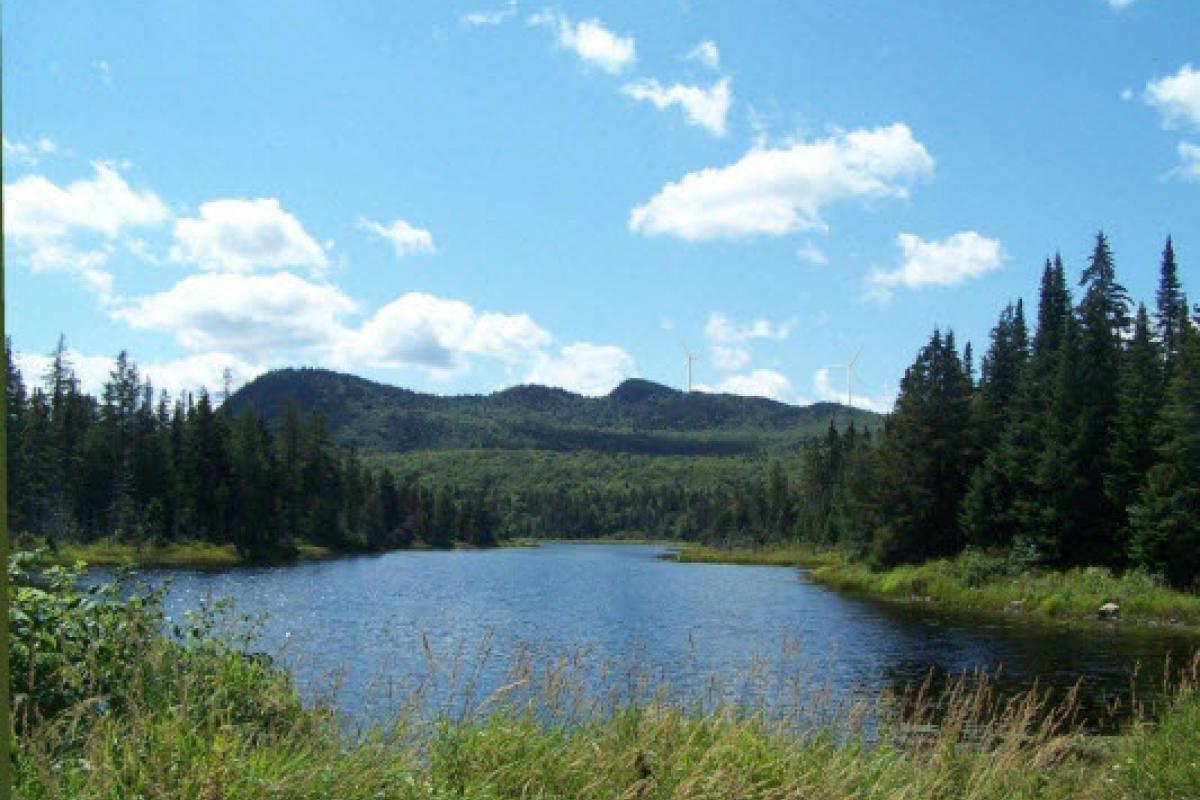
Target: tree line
x=1077, y=443
x=138, y=466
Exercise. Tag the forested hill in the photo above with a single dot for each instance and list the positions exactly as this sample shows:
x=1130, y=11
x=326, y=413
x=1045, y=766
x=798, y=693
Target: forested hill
x=637, y=417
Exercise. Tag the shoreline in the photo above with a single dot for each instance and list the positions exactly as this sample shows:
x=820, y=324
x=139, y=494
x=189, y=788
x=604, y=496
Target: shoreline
x=1048, y=598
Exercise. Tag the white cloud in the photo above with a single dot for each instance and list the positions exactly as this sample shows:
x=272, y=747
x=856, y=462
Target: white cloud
x=70, y=229
x=30, y=153
x=704, y=108
x=953, y=261
x=779, y=191
x=490, y=18
x=720, y=329
x=405, y=238
x=706, y=53
x=1176, y=97
x=591, y=41
x=759, y=383
x=176, y=376
x=729, y=341
x=811, y=254
x=233, y=235
x=420, y=330
x=201, y=371
x=823, y=384
x=583, y=368
x=37, y=210
x=252, y=315
x=1120, y=4
x=91, y=371
x=1189, y=161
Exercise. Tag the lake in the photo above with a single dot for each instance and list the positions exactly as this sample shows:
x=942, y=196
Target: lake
x=381, y=625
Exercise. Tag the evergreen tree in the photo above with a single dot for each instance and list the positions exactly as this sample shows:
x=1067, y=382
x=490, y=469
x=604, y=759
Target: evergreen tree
x=1166, y=518
x=1139, y=400
x=1171, y=309
x=923, y=458
x=1103, y=316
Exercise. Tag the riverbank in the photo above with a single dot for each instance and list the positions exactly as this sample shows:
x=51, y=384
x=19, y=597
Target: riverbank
x=976, y=582
x=117, y=710
x=177, y=555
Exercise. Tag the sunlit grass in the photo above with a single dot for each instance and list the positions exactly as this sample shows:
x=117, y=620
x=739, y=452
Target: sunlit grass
x=976, y=581
x=181, y=554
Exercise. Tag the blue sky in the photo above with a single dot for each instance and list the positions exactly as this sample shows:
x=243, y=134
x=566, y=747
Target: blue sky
x=457, y=197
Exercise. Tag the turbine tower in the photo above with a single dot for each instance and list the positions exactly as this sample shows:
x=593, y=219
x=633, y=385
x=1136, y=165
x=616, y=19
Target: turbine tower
x=850, y=378
x=688, y=358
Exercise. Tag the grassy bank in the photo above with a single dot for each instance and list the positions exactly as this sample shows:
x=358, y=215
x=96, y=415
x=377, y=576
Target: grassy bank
x=184, y=555
x=975, y=581
x=114, y=710
x=776, y=555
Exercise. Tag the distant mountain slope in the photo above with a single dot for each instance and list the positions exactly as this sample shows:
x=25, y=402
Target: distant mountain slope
x=637, y=417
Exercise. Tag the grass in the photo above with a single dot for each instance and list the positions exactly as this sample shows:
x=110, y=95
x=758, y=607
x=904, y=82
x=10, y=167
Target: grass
x=775, y=555
x=976, y=581
x=181, y=554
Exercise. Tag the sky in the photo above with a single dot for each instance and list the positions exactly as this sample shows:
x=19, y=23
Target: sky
x=457, y=197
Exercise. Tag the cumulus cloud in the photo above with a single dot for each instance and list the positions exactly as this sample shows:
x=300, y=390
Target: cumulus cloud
x=704, y=108
x=778, y=191
x=233, y=235
x=1176, y=97
x=593, y=43
x=201, y=371
x=759, y=383
x=69, y=229
x=440, y=335
x=187, y=374
x=583, y=368
x=249, y=315
x=825, y=390
x=706, y=53
x=490, y=18
x=91, y=371
x=37, y=210
x=962, y=257
x=406, y=239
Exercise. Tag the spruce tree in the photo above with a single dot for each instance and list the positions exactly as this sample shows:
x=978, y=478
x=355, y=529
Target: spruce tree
x=1171, y=309
x=1166, y=519
x=1139, y=400
x=923, y=475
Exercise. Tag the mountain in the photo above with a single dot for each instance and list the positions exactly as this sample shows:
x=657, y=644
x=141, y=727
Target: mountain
x=636, y=417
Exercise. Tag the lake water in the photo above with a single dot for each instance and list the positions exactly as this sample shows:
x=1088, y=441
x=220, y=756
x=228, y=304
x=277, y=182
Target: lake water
x=385, y=624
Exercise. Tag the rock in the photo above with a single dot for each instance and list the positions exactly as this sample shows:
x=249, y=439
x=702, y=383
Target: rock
x=1109, y=610
x=1016, y=606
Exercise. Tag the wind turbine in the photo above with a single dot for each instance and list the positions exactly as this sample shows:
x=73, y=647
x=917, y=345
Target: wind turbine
x=688, y=358
x=850, y=378
x=850, y=375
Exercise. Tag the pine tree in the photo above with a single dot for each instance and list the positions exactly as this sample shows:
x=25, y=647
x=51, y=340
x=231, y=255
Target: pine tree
x=1171, y=308
x=16, y=411
x=1166, y=519
x=1103, y=317
x=923, y=458
x=1139, y=400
